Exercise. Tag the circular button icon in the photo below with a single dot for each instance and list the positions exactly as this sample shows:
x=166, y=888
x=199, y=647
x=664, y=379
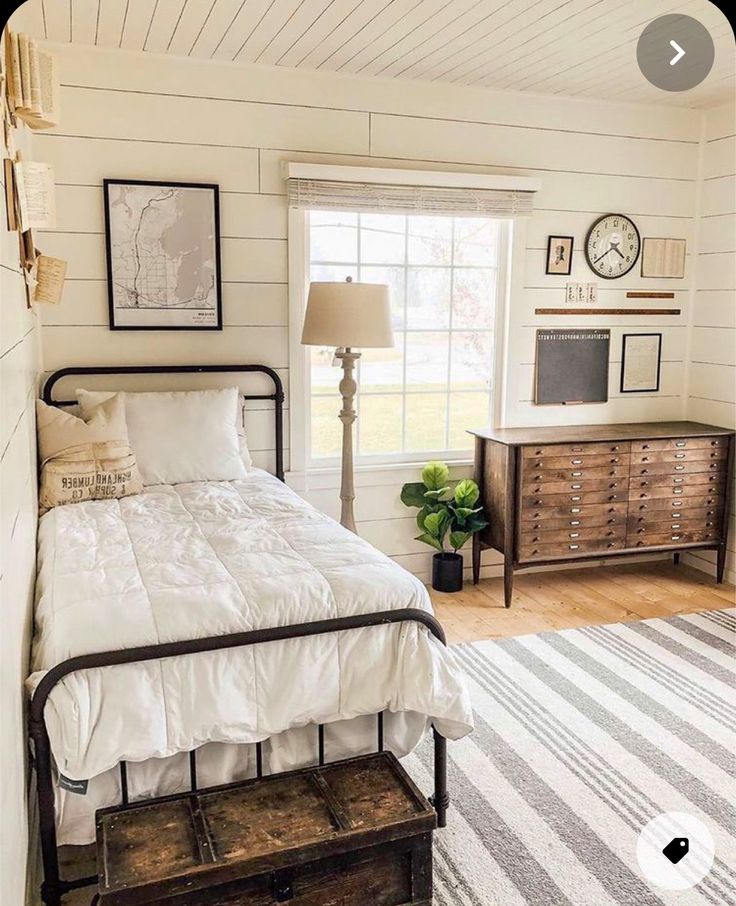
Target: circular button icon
x=675, y=851
x=675, y=52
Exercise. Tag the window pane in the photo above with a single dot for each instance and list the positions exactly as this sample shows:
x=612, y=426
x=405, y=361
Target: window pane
x=476, y=241
x=325, y=378
x=335, y=272
x=326, y=426
x=382, y=370
x=428, y=300
x=430, y=240
x=426, y=415
x=333, y=236
x=473, y=298
x=380, y=424
x=382, y=238
x=467, y=411
x=471, y=360
x=426, y=360
x=394, y=278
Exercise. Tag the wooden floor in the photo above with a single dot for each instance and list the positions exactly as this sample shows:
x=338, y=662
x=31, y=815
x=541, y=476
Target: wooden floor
x=578, y=597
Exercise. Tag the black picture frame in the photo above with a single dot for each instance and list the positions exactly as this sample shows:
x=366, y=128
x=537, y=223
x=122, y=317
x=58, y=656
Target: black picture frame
x=624, y=343
x=555, y=240
x=211, y=188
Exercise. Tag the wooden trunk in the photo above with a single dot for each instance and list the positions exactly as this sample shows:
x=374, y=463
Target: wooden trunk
x=351, y=832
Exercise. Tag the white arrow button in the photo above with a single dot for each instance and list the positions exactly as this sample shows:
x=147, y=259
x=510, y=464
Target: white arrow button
x=680, y=53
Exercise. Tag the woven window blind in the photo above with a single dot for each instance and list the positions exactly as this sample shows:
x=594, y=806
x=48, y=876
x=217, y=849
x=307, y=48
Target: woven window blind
x=379, y=198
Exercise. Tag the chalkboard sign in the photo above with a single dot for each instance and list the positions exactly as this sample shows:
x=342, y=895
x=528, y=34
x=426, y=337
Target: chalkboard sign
x=572, y=366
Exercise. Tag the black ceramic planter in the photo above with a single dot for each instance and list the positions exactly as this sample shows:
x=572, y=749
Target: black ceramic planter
x=447, y=572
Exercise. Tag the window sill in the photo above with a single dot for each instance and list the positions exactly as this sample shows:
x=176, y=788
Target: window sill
x=370, y=475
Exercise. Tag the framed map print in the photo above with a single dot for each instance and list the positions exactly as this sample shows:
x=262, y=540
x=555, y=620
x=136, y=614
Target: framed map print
x=163, y=255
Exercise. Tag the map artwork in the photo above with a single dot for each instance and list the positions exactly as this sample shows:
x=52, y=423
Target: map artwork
x=163, y=255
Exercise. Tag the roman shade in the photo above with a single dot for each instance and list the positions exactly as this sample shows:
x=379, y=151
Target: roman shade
x=325, y=188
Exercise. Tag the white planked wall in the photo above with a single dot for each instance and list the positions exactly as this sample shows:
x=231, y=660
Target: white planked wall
x=145, y=116
x=19, y=367
x=711, y=389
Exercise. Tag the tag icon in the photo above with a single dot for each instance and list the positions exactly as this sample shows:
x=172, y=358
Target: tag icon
x=677, y=849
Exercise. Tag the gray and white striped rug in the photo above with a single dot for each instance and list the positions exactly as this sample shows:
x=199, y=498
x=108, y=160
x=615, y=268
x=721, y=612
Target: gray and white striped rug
x=582, y=737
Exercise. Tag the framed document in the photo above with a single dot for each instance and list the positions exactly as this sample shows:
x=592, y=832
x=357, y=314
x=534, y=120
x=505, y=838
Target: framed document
x=663, y=258
x=641, y=359
x=163, y=255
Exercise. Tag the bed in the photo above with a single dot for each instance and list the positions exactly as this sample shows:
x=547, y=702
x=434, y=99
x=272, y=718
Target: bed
x=210, y=631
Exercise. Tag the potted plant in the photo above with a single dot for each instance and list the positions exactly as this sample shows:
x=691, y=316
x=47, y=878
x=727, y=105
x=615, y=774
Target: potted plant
x=445, y=514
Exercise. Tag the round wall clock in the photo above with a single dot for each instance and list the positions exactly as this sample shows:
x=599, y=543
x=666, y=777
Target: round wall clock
x=612, y=246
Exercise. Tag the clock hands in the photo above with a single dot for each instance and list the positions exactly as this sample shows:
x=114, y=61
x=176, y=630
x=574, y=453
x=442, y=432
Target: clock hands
x=612, y=248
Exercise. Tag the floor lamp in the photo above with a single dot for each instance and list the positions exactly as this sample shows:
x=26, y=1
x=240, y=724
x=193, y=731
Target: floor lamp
x=348, y=315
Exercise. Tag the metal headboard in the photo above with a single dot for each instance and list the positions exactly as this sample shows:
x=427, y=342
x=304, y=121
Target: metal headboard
x=277, y=396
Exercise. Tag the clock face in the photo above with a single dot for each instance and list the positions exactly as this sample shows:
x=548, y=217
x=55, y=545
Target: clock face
x=612, y=246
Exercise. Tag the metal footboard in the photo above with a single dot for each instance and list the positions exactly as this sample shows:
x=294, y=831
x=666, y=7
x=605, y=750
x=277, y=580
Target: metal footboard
x=54, y=887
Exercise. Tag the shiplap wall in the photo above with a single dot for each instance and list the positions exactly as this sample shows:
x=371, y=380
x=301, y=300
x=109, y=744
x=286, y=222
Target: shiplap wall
x=711, y=390
x=144, y=116
x=18, y=509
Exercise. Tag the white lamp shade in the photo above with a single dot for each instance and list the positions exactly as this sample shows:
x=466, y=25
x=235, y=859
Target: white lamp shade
x=348, y=315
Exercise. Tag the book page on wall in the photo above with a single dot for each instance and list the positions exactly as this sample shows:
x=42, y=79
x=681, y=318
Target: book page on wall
x=36, y=195
x=33, y=83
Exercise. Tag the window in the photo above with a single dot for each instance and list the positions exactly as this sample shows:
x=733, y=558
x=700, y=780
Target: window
x=419, y=398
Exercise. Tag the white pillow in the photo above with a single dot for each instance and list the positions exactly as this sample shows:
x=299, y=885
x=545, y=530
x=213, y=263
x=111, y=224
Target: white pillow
x=179, y=436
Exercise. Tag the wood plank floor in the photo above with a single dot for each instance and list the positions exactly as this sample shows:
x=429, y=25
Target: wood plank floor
x=564, y=599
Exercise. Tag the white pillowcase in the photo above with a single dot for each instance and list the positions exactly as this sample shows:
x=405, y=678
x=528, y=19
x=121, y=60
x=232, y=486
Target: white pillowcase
x=180, y=436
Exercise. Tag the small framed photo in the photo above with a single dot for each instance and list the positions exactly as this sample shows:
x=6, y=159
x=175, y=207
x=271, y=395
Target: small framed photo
x=641, y=360
x=559, y=255
x=663, y=258
x=163, y=255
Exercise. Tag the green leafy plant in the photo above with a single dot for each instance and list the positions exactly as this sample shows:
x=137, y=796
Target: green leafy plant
x=446, y=513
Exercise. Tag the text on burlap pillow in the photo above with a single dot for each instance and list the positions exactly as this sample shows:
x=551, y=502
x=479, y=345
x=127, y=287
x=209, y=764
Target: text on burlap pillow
x=85, y=460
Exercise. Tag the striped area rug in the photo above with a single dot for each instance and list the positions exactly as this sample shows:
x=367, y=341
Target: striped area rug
x=582, y=737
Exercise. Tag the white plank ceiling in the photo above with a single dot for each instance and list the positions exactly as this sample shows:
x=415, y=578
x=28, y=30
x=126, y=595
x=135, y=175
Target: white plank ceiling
x=579, y=48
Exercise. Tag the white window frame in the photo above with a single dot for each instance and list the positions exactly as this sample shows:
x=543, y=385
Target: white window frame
x=509, y=278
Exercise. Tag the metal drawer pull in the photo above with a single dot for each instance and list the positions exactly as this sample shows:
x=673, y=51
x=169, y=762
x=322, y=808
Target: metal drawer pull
x=677, y=515
x=645, y=471
x=677, y=490
x=713, y=465
x=645, y=446
x=611, y=522
x=681, y=455
x=576, y=474
x=676, y=525
x=575, y=509
x=680, y=443
x=675, y=537
x=576, y=487
x=715, y=443
x=574, y=547
x=574, y=534
x=682, y=468
x=537, y=503
x=577, y=462
x=574, y=522
x=641, y=531
x=577, y=449
x=576, y=498
x=644, y=506
x=539, y=452
x=678, y=480
x=537, y=478
x=645, y=459
x=613, y=496
x=714, y=456
x=535, y=539
x=643, y=484
x=709, y=525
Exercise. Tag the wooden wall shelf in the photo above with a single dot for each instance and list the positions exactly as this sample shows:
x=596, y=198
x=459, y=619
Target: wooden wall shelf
x=594, y=310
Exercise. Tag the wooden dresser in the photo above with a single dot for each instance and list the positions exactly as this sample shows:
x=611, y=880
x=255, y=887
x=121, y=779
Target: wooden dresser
x=591, y=491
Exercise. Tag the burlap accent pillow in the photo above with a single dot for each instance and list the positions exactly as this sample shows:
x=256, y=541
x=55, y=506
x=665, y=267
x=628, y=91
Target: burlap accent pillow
x=85, y=460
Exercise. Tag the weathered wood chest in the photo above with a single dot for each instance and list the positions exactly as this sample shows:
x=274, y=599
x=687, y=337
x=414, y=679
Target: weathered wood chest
x=351, y=832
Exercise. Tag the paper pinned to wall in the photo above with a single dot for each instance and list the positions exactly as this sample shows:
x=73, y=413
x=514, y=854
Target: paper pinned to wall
x=50, y=274
x=36, y=197
x=33, y=83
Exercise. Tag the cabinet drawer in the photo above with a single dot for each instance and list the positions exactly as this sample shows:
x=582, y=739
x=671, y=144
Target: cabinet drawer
x=592, y=473
x=691, y=479
x=678, y=504
x=697, y=454
x=680, y=443
x=685, y=521
x=715, y=488
x=576, y=512
x=677, y=468
x=545, y=450
x=672, y=538
x=576, y=461
x=576, y=484
x=581, y=498
x=598, y=518
x=569, y=549
x=572, y=535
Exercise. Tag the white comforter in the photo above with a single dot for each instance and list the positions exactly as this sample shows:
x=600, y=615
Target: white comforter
x=204, y=559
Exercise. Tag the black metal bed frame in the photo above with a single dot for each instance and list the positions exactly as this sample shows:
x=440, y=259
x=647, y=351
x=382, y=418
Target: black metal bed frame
x=54, y=886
